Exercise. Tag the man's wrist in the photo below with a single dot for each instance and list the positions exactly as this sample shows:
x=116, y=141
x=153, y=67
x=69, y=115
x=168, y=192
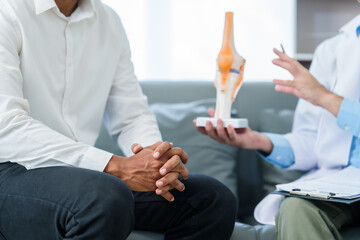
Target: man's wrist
x=115, y=166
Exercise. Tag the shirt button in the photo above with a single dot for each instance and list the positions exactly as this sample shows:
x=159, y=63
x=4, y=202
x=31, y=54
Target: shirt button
x=278, y=158
x=347, y=128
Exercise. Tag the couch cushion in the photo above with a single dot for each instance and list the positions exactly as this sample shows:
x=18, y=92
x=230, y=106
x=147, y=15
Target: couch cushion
x=258, y=232
x=276, y=121
x=206, y=156
x=241, y=231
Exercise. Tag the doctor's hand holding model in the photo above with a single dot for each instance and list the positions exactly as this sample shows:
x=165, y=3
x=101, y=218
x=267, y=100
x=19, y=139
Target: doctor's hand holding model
x=326, y=133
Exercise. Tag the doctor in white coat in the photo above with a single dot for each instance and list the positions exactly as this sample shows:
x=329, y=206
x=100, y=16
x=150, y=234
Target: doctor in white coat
x=325, y=135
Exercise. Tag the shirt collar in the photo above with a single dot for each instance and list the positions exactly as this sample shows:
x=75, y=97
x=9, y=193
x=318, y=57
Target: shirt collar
x=86, y=7
x=43, y=5
x=352, y=27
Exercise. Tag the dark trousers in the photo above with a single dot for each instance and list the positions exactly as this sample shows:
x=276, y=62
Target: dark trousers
x=74, y=203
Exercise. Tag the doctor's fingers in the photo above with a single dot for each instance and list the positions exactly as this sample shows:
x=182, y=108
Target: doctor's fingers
x=200, y=129
x=214, y=135
x=222, y=132
x=286, y=83
x=283, y=56
x=288, y=63
x=210, y=131
x=291, y=67
x=288, y=86
x=235, y=137
x=211, y=112
x=286, y=89
x=174, y=165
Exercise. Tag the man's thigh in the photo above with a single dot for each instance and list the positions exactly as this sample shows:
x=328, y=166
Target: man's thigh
x=54, y=201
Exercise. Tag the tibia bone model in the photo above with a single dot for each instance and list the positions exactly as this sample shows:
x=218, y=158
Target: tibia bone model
x=229, y=76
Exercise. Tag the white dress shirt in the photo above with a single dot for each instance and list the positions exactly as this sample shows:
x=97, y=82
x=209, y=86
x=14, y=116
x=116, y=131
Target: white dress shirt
x=59, y=77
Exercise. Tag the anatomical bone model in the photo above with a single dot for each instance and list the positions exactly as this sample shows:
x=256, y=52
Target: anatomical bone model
x=231, y=70
x=228, y=80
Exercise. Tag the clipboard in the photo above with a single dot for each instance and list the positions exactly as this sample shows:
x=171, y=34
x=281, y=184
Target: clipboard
x=305, y=195
x=333, y=185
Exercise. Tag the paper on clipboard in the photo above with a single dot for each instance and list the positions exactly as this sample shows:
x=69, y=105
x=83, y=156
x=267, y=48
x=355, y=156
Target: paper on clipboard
x=343, y=184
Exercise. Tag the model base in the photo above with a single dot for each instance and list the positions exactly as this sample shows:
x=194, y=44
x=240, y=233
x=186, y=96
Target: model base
x=235, y=122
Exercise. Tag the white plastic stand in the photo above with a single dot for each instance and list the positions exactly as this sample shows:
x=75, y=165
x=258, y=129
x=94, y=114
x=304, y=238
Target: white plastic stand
x=235, y=122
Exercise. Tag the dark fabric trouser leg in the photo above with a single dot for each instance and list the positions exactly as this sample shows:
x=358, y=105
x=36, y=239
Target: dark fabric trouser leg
x=205, y=210
x=63, y=203
x=73, y=203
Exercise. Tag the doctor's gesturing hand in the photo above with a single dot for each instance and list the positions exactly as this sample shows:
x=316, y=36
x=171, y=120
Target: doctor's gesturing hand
x=304, y=85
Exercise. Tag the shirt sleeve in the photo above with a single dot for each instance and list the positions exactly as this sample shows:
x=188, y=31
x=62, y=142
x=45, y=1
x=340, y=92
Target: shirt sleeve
x=24, y=139
x=282, y=154
x=127, y=115
x=349, y=117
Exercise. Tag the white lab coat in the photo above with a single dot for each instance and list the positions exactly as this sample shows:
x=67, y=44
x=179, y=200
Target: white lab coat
x=317, y=141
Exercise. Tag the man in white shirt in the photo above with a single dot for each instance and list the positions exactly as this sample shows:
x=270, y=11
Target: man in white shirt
x=64, y=65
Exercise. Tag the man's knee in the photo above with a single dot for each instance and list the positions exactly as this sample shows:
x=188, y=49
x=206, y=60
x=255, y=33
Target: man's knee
x=213, y=193
x=109, y=204
x=110, y=195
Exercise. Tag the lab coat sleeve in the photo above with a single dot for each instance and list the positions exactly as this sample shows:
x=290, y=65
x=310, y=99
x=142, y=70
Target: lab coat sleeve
x=348, y=117
x=25, y=140
x=282, y=154
x=127, y=115
x=307, y=116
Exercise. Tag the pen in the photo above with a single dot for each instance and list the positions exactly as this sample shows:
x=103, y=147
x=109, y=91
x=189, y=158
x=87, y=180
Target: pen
x=282, y=48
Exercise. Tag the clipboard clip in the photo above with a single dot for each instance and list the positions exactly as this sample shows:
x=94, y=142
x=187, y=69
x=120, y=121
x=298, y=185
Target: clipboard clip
x=298, y=191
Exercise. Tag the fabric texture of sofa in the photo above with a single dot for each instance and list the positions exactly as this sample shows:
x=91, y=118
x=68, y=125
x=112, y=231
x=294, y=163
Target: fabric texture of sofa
x=176, y=103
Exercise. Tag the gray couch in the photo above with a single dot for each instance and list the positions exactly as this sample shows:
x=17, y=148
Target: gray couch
x=175, y=104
